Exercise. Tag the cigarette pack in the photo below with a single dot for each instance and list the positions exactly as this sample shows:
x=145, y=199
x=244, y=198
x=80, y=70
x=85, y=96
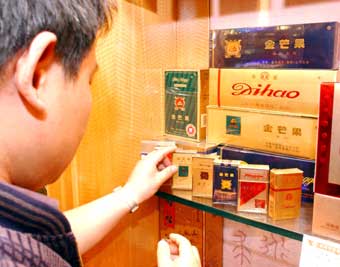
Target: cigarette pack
x=183, y=178
x=201, y=147
x=276, y=161
x=204, y=230
x=186, y=98
x=202, y=175
x=225, y=181
x=284, y=90
x=307, y=46
x=253, y=188
x=148, y=146
x=327, y=177
x=285, y=193
x=287, y=134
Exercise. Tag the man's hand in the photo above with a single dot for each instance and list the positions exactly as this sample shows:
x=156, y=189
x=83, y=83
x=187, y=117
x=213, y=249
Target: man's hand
x=185, y=255
x=149, y=174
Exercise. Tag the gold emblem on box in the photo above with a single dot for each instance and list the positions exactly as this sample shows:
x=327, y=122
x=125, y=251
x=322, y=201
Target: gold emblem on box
x=232, y=48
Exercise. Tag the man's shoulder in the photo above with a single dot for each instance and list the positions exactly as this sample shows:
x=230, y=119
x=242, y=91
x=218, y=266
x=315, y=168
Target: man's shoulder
x=20, y=249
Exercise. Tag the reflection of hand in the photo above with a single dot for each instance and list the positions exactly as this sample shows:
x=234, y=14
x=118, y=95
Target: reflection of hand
x=188, y=255
x=149, y=174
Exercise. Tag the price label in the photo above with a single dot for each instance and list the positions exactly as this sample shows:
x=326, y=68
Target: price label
x=317, y=252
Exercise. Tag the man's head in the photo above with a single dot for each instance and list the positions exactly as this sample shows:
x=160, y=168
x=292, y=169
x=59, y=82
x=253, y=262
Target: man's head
x=47, y=60
x=74, y=22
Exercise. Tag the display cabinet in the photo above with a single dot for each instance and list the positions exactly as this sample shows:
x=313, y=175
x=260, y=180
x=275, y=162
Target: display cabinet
x=148, y=37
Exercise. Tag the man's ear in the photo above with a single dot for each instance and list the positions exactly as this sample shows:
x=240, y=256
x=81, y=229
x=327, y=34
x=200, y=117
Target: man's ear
x=31, y=67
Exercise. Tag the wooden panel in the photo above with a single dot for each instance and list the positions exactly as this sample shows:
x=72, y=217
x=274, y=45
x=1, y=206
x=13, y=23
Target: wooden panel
x=271, y=12
x=214, y=240
x=126, y=108
x=63, y=190
x=193, y=34
x=127, y=99
x=147, y=4
x=203, y=229
x=232, y=7
x=133, y=242
x=145, y=235
x=306, y=2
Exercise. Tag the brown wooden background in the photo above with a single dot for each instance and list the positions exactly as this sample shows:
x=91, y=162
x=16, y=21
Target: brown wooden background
x=148, y=36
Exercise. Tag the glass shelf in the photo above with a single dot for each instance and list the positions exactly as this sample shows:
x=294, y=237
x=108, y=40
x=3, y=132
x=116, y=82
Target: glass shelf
x=292, y=228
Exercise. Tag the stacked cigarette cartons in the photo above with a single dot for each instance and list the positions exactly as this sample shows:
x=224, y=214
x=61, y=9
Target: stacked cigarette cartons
x=273, y=109
x=186, y=98
x=277, y=105
x=253, y=188
x=306, y=46
x=326, y=215
x=204, y=230
x=285, y=193
x=225, y=181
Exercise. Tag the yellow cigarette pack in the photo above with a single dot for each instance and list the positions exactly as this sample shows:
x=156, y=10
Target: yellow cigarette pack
x=285, y=193
x=203, y=175
x=183, y=178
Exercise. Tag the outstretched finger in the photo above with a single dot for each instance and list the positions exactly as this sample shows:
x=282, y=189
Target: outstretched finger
x=166, y=173
x=159, y=155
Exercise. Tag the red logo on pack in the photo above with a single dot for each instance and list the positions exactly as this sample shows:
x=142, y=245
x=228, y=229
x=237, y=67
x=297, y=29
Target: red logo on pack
x=179, y=103
x=250, y=190
x=191, y=130
x=260, y=203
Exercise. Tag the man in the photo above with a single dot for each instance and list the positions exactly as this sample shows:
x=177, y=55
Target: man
x=47, y=60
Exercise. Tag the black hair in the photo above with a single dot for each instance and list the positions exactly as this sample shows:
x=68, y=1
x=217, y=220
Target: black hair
x=75, y=23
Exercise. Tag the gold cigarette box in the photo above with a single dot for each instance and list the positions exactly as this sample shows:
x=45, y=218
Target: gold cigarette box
x=183, y=178
x=253, y=188
x=285, y=193
x=284, y=90
x=287, y=134
x=203, y=175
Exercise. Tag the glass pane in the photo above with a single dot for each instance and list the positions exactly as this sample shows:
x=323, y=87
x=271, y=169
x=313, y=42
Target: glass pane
x=292, y=228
